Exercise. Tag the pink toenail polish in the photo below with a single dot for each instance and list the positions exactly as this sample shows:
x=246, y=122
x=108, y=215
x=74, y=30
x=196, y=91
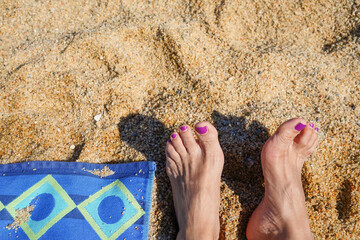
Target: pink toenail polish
x=311, y=125
x=300, y=127
x=183, y=128
x=173, y=135
x=316, y=130
x=201, y=130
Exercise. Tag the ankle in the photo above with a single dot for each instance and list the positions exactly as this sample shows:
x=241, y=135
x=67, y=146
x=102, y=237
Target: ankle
x=293, y=229
x=198, y=234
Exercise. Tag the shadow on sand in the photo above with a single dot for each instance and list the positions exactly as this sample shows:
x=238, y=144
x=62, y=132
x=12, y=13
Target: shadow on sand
x=241, y=143
x=148, y=136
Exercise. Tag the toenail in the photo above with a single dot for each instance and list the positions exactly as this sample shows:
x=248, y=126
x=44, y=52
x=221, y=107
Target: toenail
x=316, y=129
x=201, y=130
x=174, y=135
x=311, y=125
x=183, y=128
x=300, y=127
x=169, y=141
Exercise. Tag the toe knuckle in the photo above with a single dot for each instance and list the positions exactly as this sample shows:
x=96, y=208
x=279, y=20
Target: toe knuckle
x=195, y=152
x=284, y=138
x=186, y=157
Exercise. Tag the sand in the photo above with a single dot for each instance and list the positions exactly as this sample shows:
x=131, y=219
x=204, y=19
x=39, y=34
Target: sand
x=149, y=66
x=21, y=215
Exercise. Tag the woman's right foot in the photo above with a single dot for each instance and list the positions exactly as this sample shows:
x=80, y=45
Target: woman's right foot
x=282, y=212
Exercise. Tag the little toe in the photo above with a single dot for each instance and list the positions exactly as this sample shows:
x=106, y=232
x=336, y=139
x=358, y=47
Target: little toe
x=188, y=138
x=171, y=168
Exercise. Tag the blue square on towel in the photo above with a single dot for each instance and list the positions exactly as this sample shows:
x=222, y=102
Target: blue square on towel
x=69, y=202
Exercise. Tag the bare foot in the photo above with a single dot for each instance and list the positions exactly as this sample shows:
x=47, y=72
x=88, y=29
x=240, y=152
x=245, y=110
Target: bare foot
x=194, y=168
x=282, y=213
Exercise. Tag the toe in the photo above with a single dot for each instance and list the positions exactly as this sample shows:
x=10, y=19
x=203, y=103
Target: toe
x=314, y=138
x=188, y=138
x=178, y=145
x=290, y=129
x=206, y=132
x=171, y=153
x=313, y=147
x=303, y=140
x=173, y=160
x=313, y=143
x=208, y=137
x=170, y=167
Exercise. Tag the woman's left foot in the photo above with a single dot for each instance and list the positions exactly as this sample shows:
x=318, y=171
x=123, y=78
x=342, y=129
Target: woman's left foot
x=282, y=212
x=194, y=168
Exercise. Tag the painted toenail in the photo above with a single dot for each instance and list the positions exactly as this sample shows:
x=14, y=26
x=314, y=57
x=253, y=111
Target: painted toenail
x=169, y=141
x=174, y=135
x=300, y=127
x=316, y=130
x=201, y=130
x=311, y=125
x=183, y=128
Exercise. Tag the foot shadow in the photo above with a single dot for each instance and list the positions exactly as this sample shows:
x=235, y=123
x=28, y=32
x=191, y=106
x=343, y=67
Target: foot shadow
x=242, y=143
x=343, y=201
x=149, y=136
x=342, y=41
x=242, y=173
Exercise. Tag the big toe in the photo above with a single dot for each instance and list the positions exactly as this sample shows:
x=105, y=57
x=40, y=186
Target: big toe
x=208, y=139
x=288, y=131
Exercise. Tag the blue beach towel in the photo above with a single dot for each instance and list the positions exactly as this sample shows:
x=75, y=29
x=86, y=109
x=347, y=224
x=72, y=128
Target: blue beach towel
x=73, y=200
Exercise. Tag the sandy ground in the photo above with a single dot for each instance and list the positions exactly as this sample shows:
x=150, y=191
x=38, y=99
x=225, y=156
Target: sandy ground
x=149, y=66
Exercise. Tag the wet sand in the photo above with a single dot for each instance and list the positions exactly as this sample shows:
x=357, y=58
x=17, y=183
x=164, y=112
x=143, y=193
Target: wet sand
x=149, y=66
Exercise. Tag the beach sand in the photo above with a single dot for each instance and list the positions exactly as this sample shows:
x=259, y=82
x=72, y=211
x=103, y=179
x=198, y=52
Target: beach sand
x=149, y=66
